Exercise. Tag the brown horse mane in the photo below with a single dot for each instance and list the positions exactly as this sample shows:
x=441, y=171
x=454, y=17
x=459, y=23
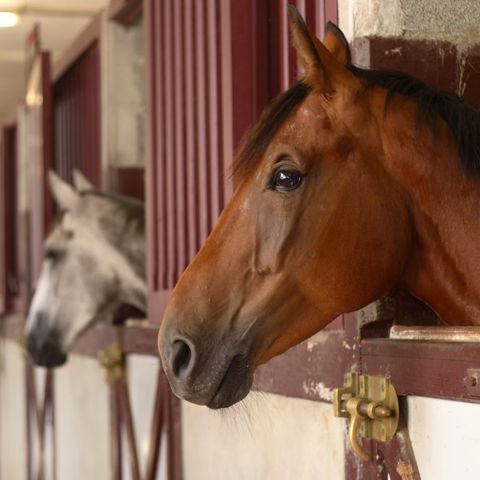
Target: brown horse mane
x=462, y=119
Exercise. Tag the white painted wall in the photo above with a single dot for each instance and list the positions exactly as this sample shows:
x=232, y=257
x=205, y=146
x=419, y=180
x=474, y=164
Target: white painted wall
x=82, y=420
x=142, y=382
x=269, y=437
x=445, y=437
x=13, y=439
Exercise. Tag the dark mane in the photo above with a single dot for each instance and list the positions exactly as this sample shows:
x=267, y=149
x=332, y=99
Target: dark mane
x=462, y=119
x=257, y=138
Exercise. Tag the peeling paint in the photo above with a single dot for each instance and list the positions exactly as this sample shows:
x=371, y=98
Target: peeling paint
x=317, y=339
x=317, y=390
x=394, y=51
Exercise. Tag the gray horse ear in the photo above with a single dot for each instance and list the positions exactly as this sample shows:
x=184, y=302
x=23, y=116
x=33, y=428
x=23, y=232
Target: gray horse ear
x=81, y=182
x=65, y=196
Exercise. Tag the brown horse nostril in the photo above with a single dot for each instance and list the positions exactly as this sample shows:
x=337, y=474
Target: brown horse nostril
x=182, y=358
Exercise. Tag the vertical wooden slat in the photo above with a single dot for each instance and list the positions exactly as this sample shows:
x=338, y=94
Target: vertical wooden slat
x=40, y=153
x=49, y=406
x=3, y=222
x=29, y=392
x=227, y=93
x=310, y=11
x=284, y=49
x=331, y=10
x=214, y=127
x=320, y=19
x=115, y=431
x=190, y=132
x=202, y=119
x=174, y=435
x=157, y=427
x=169, y=159
x=180, y=215
x=152, y=15
x=8, y=219
x=161, y=177
x=127, y=420
x=77, y=118
x=301, y=7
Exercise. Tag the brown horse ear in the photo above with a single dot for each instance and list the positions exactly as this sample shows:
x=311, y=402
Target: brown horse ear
x=302, y=40
x=337, y=44
x=323, y=70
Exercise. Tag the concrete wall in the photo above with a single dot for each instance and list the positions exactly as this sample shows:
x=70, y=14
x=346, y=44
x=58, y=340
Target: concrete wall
x=123, y=95
x=457, y=22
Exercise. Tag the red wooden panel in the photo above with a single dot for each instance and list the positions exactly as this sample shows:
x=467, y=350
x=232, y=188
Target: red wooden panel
x=77, y=119
x=39, y=151
x=129, y=181
x=211, y=66
x=8, y=242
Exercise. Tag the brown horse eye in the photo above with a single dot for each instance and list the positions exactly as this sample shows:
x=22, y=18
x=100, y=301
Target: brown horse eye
x=286, y=180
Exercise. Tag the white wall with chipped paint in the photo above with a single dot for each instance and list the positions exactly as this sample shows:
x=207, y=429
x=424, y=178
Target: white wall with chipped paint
x=266, y=437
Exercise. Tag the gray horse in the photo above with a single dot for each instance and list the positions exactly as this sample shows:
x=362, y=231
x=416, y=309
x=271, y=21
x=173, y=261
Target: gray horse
x=94, y=262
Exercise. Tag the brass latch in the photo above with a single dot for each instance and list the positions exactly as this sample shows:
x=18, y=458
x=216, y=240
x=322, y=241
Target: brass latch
x=372, y=405
x=113, y=363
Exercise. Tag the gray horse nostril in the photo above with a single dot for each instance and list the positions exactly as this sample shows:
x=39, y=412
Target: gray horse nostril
x=182, y=358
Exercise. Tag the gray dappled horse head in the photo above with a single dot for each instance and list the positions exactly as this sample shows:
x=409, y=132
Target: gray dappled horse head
x=94, y=262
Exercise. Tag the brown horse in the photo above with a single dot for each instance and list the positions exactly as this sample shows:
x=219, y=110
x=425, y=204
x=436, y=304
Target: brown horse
x=353, y=182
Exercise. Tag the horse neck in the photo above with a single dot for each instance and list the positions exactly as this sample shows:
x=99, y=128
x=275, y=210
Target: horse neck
x=133, y=249
x=125, y=235
x=444, y=269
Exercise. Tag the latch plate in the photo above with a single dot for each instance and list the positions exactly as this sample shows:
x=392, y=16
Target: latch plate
x=371, y=403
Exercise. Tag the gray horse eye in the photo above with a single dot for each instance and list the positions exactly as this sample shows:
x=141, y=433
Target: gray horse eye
x=286, y=180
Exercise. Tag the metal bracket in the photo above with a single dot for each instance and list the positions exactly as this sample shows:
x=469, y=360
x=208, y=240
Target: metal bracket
x=371, y=403
x=113, y=363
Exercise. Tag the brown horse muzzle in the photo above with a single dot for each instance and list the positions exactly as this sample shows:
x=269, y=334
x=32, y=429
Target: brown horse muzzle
x=216, y=374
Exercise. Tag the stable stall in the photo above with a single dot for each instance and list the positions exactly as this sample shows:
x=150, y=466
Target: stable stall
x=152, y=101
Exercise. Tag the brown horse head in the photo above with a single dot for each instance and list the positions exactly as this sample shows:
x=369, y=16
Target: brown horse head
x=336, y=203
x=293, y=248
